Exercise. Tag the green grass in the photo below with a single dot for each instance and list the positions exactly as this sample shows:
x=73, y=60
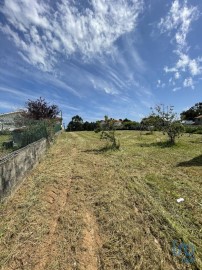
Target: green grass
x=129, y=197
x=3, y=151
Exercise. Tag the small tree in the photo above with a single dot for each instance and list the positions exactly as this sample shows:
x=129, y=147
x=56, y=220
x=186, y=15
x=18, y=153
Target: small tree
x=108, y=133
x=168, y=122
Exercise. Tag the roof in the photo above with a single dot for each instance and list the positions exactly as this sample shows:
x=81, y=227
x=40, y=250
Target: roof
x=3, y=114
x=198, y=117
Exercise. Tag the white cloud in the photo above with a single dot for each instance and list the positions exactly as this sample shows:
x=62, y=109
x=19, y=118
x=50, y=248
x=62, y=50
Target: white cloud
x=178, y=21
x=179, y=18
x=195, y=67
x=160, y=84
x=42, y=33
x=186, y=64
x=7, y=106
x=177, y=75
x=176, y=89
x=167, y=70
x=188, y=82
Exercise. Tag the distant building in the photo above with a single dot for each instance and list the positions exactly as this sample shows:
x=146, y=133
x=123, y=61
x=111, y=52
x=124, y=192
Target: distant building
x=188, y=122
x=198, y=120
x=116, y=123
x=7, y=120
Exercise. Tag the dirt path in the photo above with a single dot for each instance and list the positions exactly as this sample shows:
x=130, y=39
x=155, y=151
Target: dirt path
x=33, y=238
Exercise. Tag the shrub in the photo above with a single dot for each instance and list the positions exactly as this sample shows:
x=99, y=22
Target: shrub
x=7, y=145
x=108, y=133
x=5, y=132
x=193, y=129
x=167, y=122
x=34, y=131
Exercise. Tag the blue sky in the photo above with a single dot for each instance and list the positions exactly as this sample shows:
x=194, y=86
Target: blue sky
x=101, y=57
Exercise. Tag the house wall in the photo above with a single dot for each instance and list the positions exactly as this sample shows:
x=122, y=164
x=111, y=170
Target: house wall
x=198, y=121
x=7, y=120
x=13, y=167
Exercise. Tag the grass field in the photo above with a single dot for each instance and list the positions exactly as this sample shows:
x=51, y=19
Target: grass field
x=4, y=138
x=84, y=208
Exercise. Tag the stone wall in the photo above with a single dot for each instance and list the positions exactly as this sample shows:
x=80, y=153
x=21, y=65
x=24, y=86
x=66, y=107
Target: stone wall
x=14, y=166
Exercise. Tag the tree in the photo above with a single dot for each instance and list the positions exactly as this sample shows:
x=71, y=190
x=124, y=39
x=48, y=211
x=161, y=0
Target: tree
x=192, y=112
x=76, y=124
x=40, y=109
x=151, y=122
x=39, y=120
x=108, y=133
x=127, y=120
x=89, y=126
x=130, y=125
x=168, y=122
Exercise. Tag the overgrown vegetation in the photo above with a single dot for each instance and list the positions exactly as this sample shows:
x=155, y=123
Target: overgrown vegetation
x=39, y=120
x=34, y=130
x=4, y=138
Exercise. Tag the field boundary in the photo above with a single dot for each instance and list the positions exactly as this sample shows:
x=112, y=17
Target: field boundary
x=14, y=166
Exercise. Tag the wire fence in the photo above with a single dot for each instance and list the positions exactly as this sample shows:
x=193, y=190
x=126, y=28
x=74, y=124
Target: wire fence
x=35, y=131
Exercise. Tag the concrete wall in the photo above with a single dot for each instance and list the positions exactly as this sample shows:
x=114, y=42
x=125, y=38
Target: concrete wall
x=14, y=166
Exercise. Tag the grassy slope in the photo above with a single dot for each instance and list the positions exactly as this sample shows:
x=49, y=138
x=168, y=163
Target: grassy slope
x=82, y=208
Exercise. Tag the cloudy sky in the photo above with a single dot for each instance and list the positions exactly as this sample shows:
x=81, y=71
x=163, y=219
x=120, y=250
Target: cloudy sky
x=98, y=57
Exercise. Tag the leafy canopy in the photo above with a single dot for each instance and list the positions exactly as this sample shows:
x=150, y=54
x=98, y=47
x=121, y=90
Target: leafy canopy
x=40, y=109
x=192, y=112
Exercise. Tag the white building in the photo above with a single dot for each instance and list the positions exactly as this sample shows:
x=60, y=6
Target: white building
x=7, y=120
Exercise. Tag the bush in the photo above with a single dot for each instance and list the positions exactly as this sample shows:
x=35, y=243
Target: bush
x=34, y=131
x=193, y=129
x=167, y=122
x=7, y=145
x=5, y=132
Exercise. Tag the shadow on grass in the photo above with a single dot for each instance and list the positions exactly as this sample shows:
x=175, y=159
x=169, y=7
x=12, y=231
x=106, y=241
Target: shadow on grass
x=197, y=161
x=157, y=144
x=101, y=150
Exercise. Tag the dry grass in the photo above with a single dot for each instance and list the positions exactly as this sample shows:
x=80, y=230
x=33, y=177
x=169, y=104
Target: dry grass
x=83, y=208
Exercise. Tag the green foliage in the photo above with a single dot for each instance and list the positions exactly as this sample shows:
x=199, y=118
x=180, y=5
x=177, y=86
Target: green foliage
x=34, y=130
x=174, y=130
x=193, y=129
x=7, y=145
x=89, y=126
x=108, y=133
x=151, y=123
x=5, y=132
x=193, y=112
x=167, y=122
x=76, y=124
x=130, y=125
